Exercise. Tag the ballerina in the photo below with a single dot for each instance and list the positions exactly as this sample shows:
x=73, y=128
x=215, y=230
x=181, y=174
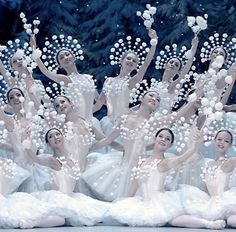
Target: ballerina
x=22, y=66
x=22, y=210
x=219, y=81
x=116, y=90
x=109, y=176
x=77, y=208
x=153, y=205
x=18, y=127
x=80, y=88
x=175, y=71
x=82, y=134
x=210, y=209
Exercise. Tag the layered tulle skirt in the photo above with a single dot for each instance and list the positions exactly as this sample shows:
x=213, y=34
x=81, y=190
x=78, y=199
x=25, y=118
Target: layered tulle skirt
x=78, y=209
x=155, y=212
x=200, y=204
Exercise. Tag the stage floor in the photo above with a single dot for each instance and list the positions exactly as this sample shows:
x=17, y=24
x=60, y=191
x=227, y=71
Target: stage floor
x=115, y=229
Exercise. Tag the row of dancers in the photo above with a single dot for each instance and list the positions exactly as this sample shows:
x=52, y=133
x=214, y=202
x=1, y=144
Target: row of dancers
x=138, y=166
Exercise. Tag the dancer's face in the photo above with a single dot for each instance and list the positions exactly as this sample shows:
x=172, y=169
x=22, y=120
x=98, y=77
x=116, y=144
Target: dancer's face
x=130, y=61
x=218, y=52
x=164, y=140
x=62, y=105
x=223, y=142
x=55, y=138
x=14, y=99
x=65, y=58
x=152, y=100
x=173, y=65
x=17, y=62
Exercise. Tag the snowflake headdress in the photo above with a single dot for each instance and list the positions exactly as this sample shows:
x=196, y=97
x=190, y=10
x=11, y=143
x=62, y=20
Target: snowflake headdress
x=171, y=52
x=59, y=43
x=124, y=46
x=22, y=50
x=155, y=86
x=217, y=41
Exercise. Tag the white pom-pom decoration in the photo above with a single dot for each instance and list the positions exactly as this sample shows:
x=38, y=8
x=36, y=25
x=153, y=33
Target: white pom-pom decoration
x=36, y=54
x=218, y=106
x=26, y=144
x=192, y=97
x=195, y=29
x=204, y=101
x=202, y=23
x=189, y=54
x=152, y=10
x=21, y=99
x=228, y=80
x=138, y=13
x=153, y=42
x=191, y=19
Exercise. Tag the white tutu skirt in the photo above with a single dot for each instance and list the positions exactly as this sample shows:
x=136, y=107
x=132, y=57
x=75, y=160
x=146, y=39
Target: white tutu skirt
x=10, y=182
x=41, y=179
x=78, y=209
x=156, y=212
x=22, y=207
x=107, y=177
x=200, y=204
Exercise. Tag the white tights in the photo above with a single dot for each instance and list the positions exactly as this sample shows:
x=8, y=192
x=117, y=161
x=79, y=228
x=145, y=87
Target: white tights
x=196, y=222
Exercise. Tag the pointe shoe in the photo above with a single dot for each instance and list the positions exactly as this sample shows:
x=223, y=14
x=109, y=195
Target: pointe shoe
x=216, y=225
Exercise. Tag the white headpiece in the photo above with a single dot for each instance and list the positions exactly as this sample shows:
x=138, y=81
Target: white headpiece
x=156, y=86
x=22, y=50
x=216, y=41
x=143, y=87
x=170, y=52
x=59, y=43
x=123, y=47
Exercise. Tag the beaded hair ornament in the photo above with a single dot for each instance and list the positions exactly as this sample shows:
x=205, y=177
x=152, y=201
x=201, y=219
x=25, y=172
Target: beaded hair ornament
x=217, y=41
x=125, y=46
x=39, y=127
x=143, y=87
x=170, y=52
x=217, y=124
x=21, y=50
x=59, y=43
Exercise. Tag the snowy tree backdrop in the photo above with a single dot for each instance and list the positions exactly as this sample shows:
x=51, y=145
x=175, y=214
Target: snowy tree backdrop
x=98, y=24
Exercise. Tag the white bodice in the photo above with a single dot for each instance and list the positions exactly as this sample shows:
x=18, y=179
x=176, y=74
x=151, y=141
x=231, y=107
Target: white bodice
x=117, y=96
x=81, y=92
x=134, y=140
x=151, y=180
x=215, y=179
x=79, y=139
